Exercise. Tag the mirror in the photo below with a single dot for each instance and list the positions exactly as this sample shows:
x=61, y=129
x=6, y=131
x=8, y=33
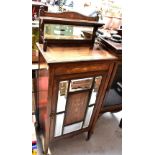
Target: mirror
x=59, y=124
x=62, y=95
x=88, y=116
x=80, y=84
x=59, y=31
x=95, y=90
x=73, y=127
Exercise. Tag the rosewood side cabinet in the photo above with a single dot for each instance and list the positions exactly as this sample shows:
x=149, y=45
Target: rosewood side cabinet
x=72, y=81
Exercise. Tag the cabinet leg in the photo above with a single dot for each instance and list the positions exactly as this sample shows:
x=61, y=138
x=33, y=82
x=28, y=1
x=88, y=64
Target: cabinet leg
x=89, y=135
x=120, y=124
x=45, y=146
x=47, y=152
x=44, y=45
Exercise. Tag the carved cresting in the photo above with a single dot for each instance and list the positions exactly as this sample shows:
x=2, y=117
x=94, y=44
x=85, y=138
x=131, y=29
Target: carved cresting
x=69, y=14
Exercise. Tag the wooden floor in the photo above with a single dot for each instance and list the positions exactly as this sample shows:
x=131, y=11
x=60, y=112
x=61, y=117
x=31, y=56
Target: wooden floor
x=106, y=140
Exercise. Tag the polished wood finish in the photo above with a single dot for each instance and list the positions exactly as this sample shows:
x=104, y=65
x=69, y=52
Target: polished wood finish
x=112, y=108
x=66, y=63
x=65, y=54
x=50, y=20
x=68, y=15
x=100, y=63
x=76, y=107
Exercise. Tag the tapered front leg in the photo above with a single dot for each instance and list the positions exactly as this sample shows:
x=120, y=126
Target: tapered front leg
x=120, y=124
x=89, y=135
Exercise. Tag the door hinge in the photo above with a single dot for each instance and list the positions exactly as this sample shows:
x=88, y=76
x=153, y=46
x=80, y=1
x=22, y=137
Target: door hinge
x=52, y=115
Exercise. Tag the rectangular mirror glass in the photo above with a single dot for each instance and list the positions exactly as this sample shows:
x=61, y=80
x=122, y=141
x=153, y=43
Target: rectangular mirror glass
x=95, y=90
x=59, y=124
x=88, y=116
x=73, y=127
x=80, y=84
x=59, y=31
x=62, y=95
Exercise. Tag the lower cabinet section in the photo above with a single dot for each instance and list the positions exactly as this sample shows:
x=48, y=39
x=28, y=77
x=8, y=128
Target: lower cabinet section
x=70, y=95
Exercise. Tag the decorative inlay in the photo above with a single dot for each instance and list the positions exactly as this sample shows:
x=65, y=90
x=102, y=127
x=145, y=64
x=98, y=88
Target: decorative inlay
x=76, y=106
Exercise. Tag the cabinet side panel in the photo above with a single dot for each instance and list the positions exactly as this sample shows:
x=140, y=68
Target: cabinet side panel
x=42, y=91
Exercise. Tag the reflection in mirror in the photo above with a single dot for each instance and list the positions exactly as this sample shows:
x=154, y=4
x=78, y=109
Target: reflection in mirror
x=59, y=31
x=81, y=84
x=62, y=95
x=95, y=90
x=59, y=124
x=88, y=116
x=73, y=127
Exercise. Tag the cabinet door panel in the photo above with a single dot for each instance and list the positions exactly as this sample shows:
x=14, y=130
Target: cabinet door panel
x=76, y=106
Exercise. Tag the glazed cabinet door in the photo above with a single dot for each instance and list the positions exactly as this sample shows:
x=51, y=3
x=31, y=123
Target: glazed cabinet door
x=75, y=104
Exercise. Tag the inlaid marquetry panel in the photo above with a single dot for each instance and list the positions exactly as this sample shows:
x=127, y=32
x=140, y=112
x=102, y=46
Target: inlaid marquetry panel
x=80, y=68
x=76, y=107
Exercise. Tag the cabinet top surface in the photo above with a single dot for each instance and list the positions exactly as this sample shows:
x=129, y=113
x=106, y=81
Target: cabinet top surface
x=57, y=54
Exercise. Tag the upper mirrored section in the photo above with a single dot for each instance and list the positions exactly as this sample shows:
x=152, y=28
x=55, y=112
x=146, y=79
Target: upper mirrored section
x=59, y=31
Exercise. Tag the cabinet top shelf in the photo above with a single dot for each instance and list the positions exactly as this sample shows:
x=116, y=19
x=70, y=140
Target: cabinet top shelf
x=64, y=54
x=56, y=20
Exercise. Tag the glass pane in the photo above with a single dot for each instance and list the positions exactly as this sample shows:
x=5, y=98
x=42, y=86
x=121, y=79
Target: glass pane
x=62, y=94
x=95, y=90
x=59, y=31
x=59, y=124
x=93, y=97
x=88, y=116
x=81, y=84
x=73, y=127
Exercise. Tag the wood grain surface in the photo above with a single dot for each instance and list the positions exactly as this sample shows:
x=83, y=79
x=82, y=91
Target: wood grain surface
x=57, y=54
x=76, y=107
